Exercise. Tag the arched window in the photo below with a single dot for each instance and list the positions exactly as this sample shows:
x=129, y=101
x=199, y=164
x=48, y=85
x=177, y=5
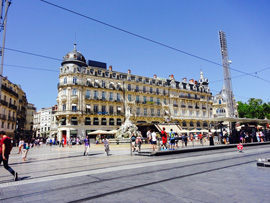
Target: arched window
x=184, y=124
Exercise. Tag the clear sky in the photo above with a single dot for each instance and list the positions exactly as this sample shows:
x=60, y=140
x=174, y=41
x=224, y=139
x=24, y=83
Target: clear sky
x=188, y=25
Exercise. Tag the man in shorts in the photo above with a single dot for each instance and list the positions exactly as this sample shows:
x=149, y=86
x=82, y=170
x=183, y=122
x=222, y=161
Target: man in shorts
x=5, y=149
x=154, y=140
x=172, y=140
x=164, y=139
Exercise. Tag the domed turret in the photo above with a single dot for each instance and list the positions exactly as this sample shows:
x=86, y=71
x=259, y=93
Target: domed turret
x=221, y=96
x=74, y=57
x=203, y=80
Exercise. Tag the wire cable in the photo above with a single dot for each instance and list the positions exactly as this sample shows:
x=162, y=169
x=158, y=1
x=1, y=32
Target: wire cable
x=33, y=54
x=148, y=39
x=26, y=67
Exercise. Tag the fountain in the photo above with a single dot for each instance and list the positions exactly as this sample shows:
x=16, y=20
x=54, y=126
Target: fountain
x=127, y=128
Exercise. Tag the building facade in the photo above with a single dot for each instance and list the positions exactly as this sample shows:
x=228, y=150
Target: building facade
x=12, y=109
x=29, y=127
x=92, y=97
x=45, y=124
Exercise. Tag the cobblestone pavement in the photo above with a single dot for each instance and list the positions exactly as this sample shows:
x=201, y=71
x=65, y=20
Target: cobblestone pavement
x=65, y=175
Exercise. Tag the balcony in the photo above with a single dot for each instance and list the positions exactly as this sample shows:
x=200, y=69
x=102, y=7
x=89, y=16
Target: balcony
x=175, y=105
x=4, y=103
x=67, y=112
x=11, y=118
x=12, y=106
x=64, y=98
x=74, y=97
x=183, y=106
x=190, y=107
x=9, y=91
x=196, y=107
x=3, y=117
x=204, y=108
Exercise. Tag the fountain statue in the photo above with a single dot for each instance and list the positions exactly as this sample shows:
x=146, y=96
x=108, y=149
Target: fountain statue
x=127, y=128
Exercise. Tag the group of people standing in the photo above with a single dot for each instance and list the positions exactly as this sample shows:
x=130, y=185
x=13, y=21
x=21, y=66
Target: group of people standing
x=169, y=140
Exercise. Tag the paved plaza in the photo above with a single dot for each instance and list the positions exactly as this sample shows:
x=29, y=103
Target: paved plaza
x=65, y=175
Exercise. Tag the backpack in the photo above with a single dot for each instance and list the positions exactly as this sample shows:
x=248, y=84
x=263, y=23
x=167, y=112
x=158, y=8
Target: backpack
x=163, y=133
x=172, y=135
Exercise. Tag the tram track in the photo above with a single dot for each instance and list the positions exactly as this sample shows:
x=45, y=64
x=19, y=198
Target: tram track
x=148, y=172
x=118, y=163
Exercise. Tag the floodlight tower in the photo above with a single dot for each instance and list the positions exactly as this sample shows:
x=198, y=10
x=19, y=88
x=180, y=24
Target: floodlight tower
x=3, y=26
x=227, y=74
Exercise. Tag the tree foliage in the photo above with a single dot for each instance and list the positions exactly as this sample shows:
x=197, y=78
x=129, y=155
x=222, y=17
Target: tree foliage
x=254, y=108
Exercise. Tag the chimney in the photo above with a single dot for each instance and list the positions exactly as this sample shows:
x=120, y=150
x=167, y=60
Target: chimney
x=155, y=76
x=171, y=77
x=110, y=68
x=129, y=71
x=191, y=81
x=184, y=79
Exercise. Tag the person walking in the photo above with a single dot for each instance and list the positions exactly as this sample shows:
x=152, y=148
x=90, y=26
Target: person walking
x=133, y=142
x=164, y=139
x=86, y=146
x=172, y=140
x=20, y=146
x=149, y=136
x=211, y=139
x=154, y=140
x=139, y=142
x=5, y=149
x=26, y=147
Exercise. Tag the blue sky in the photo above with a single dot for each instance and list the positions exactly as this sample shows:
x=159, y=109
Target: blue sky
x=189, y=25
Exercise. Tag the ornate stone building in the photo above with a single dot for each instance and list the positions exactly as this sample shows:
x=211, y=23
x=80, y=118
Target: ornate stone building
x=92, y=97
x=12, y=109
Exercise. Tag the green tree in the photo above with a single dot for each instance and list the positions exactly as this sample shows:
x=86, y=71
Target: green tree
x=255, y=108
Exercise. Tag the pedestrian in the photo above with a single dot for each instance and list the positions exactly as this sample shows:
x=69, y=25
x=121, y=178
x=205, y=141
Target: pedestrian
x=26, y=147
x=139, y=142
x=216, y=138
x=154, y=140
x=149, y=136
x=86, y=146
x=211, y=139
x=164, y=139
x=172, y=140
x=133, y=142
x=5, y=149
x=20, y=145
x=184, y=139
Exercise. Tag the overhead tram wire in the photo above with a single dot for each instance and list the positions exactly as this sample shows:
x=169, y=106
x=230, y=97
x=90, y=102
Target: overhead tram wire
x=33, y=54
x=148, y=39
x=32, y=68
x=238, y=76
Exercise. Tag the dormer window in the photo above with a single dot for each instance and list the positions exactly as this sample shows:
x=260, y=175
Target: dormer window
x=75, y=56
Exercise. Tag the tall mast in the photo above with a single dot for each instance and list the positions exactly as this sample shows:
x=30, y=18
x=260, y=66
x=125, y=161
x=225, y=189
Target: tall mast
x=226, y=73
x=3, y=26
